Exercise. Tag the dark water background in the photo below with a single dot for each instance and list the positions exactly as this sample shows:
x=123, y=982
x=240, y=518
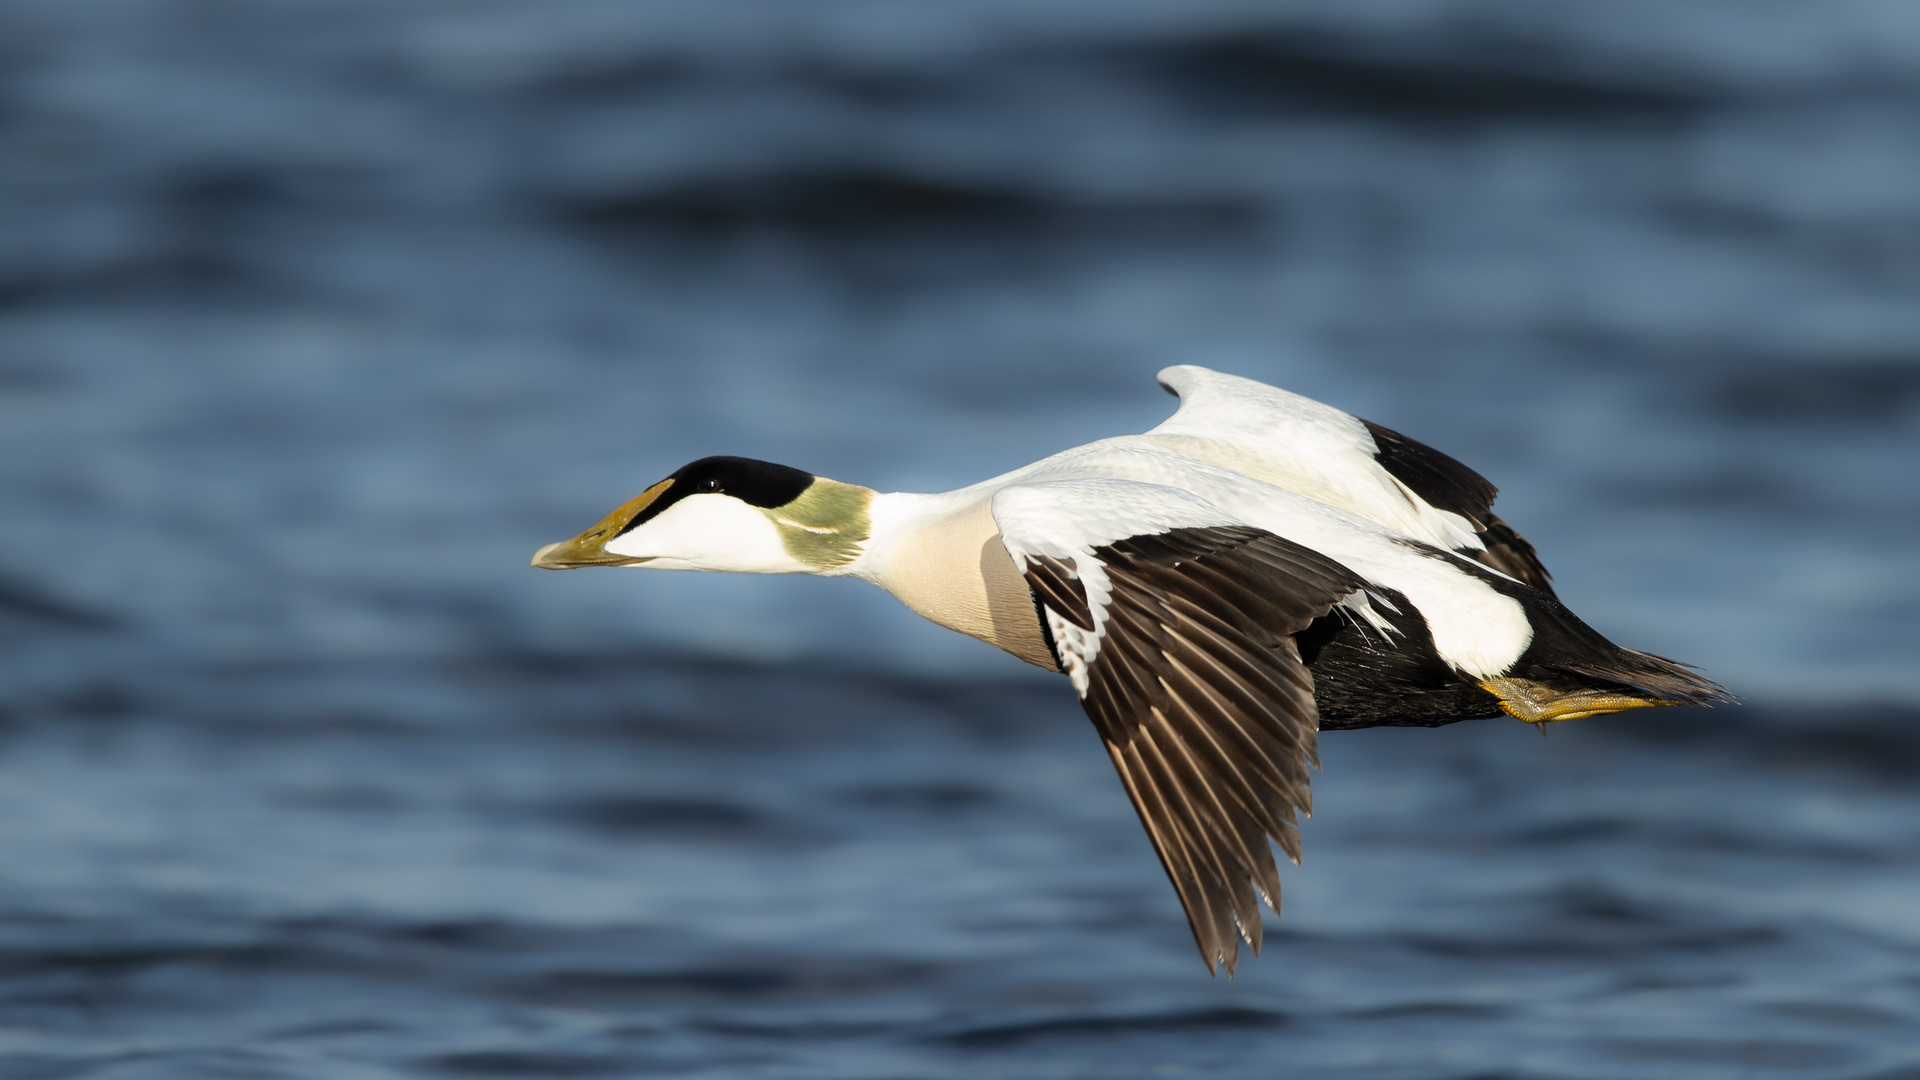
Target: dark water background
x=316, y=318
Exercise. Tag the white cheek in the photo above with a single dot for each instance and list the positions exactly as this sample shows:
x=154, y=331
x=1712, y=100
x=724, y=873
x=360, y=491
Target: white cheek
x=709, y=532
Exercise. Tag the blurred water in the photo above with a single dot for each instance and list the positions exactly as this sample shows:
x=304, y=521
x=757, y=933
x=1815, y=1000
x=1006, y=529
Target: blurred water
x=315, y=319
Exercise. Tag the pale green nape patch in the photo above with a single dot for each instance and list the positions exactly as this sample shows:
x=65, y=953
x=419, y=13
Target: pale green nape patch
x=826, y=525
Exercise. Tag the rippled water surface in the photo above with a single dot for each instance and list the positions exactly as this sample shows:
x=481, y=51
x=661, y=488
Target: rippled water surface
x=316, y=319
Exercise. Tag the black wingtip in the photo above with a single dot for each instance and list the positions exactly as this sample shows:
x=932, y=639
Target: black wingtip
x=1442, y=481
x=1510, y=553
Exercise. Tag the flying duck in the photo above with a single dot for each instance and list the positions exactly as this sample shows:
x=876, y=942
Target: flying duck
x=1218, y=590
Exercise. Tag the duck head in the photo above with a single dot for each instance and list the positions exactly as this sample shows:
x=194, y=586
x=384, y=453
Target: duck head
x=727, y=513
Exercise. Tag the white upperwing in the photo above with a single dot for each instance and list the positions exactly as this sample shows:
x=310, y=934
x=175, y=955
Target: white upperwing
x=1298, y=444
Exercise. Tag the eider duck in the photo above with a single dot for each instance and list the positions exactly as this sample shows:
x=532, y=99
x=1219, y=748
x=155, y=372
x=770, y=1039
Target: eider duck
x=1218, y=590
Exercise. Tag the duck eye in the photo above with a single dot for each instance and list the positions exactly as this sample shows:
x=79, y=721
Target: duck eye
x=709, y=485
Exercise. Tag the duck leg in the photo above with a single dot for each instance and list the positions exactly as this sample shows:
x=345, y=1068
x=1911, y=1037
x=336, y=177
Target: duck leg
x=1538, y=703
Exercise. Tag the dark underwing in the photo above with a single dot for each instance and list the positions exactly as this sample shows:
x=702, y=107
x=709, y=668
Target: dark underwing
x=1205, y=707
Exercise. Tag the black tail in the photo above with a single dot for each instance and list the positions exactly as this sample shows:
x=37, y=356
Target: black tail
x=1567, y=652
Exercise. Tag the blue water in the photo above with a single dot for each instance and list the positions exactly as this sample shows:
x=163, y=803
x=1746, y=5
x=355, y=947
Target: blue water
x=315, y=320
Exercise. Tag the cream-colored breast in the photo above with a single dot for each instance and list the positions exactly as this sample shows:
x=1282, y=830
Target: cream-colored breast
x=953, y=569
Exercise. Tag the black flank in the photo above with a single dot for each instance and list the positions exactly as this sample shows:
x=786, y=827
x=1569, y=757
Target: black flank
x=1362, y=678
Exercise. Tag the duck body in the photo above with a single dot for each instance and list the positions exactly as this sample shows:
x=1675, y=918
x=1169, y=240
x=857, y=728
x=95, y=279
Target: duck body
x=1217, y=590
x=1435, y=625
